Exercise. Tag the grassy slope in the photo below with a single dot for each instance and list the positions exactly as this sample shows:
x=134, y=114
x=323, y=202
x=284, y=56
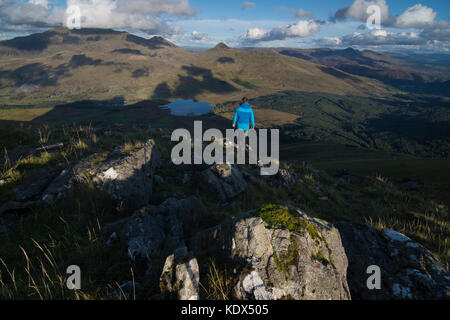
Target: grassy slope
x=137, y=74
x=74, y=232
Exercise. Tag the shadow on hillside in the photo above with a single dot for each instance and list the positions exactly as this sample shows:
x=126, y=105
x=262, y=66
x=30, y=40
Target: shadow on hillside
x=416, y=128
x=189, y=86
x=115, y=111
x=36, y=74
x=225, y=60
x=44, y=75
x=80, y=111
x=338, y=74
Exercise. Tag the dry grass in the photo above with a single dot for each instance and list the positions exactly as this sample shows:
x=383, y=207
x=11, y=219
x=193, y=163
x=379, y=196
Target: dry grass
x=218, y=284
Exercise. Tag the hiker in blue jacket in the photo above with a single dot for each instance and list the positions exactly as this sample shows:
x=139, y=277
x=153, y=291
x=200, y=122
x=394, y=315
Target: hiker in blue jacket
x=244, y=118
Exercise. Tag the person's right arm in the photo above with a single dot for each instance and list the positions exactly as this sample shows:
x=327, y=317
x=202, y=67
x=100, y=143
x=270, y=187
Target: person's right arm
x=235, y=119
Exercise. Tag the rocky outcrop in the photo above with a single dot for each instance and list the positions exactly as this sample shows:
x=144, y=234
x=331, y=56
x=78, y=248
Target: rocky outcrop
x=225, y=181
x=180, y=277
x=126, y=177
x=32, y=187
x=155, y=231
x=408, y=270
x=28, y=193
x=307, y=262
x=284, y=177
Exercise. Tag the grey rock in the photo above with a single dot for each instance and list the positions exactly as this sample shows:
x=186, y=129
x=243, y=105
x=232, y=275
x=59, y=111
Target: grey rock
x=186, y=178
x=180, y=277
x=159, y=179
x=33, y=186
x=112, y=239
x=155, y=231
x=285, y=178
x=288, y=177
x=126, y=178
x=225, y=181
x=408, y=270
x=254, y=286
x=282, y=259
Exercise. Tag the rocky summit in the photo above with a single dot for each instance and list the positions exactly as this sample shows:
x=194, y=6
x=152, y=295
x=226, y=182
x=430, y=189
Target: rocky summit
x=166, y=234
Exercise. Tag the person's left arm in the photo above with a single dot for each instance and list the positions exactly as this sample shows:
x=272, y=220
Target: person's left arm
x=253, y=120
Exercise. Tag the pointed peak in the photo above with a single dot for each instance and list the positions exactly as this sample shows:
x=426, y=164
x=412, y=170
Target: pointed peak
x=221, y=46
x=162, y=41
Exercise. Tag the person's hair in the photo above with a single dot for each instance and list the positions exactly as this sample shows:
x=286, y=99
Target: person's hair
x=244, y=100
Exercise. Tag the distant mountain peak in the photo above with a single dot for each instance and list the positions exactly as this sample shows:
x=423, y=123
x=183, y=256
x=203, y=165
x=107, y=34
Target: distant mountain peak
x=161, y=41
x=221, y=46
x=152, y=43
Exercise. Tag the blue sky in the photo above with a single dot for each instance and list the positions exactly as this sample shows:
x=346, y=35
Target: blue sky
x=421, y=25
x=269, y=9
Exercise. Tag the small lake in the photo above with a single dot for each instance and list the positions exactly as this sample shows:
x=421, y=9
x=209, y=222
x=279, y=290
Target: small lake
x=188, y=108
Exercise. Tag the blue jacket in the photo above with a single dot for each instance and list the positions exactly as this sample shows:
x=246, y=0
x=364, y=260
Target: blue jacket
x=243, y=116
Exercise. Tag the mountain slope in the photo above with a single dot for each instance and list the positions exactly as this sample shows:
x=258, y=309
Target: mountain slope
x=64, y=65
x=399, y=73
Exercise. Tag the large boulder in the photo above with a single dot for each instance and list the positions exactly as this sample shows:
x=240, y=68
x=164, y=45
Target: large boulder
x=154, y=232
x=408, y=270
x=224, y=181
x=279, y=252
x=180, y=277
x=126, y=177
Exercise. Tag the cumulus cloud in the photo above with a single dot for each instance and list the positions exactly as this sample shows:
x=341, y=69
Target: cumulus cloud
x=383, y=37
x=378, y=38
x=198, y=36
x=358, y=11
x=301, y=29
x=43, y=3
x=415, y=17
x=37, y=13
x=145, y=15
x=107, y=14
x=247, y=5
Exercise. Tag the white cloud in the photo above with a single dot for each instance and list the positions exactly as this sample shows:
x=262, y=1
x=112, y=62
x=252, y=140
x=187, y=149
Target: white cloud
x=198, y=36
x=301, y=29
x=43, y=3
x=106, y=14
x=417, y=16
x=247, y=5
x=330, y=41
x=358, y=11
x=374, y=38
x=255, y=34
x=144, y=15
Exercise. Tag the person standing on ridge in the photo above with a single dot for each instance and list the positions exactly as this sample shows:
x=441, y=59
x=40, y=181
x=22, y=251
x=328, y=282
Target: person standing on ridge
x=244, y=119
